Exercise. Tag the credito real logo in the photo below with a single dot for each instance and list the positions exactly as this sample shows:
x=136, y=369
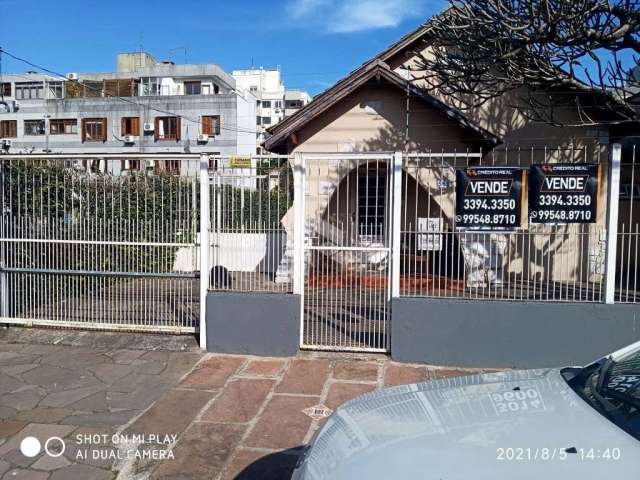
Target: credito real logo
x=31, y=446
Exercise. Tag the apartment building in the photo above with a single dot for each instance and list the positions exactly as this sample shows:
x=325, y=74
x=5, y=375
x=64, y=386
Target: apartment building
x=145, y=106
x=273, y=101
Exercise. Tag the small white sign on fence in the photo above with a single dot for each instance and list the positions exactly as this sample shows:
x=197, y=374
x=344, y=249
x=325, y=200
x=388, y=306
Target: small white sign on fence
x=431, y=239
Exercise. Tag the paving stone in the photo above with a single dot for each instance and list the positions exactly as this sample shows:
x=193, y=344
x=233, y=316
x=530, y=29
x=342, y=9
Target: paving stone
x=258, y=465
x=43, y=414
x=42, y=431
x=343, y=392
x=17, y=370
x=212, y=373
x=282, y=424
x=400, y=374
x=305, y=377
x=109, y=373
x=81, y=472
x=435, y=373
x=172, y=413
x=67, y=397
x=138, y=399
x=23, y=400
x=93, y=403
x=13, y=358
x=179, y=364
x=51, y=377
x=20, y=474
x=7, y=412
x=160, y=356
x=9, y=427
x=124, y=356
x=152, y=367
x=9, y=384
x=135, y=381
x=100, y=418
x=75, y=358
x=264, y=368
x=358, y=371
x=4, y=466
x=201, y=452
x=49, y=463
x=240, y=401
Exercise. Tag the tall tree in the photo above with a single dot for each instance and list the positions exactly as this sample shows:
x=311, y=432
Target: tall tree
x=579, y=50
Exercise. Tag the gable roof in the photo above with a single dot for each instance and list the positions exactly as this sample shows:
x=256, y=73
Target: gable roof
x=375, y=68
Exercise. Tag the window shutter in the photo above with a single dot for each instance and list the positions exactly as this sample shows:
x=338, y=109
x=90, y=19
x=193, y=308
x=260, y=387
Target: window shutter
x=84, y=130
x=206, y=125
x=178, y=128
x=156, y=124
x=135, y=126
x=104, y=129
x=123, y=127
x=216, y=128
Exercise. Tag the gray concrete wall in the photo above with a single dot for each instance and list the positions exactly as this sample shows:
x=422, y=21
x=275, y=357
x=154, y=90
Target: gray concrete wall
x=266, y=324
x=508, y=334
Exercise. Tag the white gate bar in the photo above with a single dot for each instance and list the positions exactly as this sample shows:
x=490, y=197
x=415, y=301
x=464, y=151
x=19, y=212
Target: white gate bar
x=204, y=247
x=298, y=223
x=612, y=222
x=395, y=219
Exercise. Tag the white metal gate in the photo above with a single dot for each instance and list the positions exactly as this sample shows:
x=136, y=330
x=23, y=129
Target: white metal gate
x=99, y=242
x=347, y=251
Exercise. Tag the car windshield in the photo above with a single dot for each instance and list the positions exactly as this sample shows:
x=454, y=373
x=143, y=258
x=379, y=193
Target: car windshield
x=613, y=388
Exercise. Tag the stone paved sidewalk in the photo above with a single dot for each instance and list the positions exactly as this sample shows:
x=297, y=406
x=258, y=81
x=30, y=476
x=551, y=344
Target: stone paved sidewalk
x=137, y=407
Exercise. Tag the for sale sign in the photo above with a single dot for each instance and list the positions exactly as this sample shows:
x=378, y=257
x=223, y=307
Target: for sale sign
x=488, y=198
x=563, y=193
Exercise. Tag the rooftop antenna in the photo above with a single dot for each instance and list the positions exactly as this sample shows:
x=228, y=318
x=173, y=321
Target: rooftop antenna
x=184, y=49
x=252, y=62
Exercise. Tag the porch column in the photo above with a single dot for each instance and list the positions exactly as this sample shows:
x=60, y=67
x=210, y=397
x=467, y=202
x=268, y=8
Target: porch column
x=205, y=245
x=396, y=217
x=613, y=189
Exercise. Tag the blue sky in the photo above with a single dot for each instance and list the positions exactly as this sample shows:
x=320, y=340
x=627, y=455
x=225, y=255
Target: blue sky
x=315, y=42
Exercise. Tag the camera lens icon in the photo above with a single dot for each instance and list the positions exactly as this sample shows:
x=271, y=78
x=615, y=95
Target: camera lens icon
x=31, y=446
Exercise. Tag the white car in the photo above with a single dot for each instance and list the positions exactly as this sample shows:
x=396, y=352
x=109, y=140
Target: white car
x=560, y=423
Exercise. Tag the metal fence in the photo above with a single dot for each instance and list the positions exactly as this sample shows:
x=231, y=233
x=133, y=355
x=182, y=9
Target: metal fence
x=532, y=262
x=99, y=242
x=251, y=224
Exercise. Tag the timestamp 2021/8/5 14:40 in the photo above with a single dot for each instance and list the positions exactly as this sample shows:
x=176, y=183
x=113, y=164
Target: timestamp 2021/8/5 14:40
x=526, y=454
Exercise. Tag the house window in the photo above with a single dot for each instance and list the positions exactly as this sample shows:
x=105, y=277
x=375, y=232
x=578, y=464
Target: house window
x=167, y=128
x=8, y=128
x=55, y=89
x=64, y=126
x=130, y=126
x=192, y=88
x=266, y=120
x=211, y=124
x=29, y=90
x=213, y=162
x=94, y=130
x=34, y=127
x=372, y=194
x=5, y=89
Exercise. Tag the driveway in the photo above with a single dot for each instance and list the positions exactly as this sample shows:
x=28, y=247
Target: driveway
x=144, y=406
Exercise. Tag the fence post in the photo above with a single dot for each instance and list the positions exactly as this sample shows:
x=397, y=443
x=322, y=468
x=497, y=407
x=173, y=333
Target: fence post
x=396, y=216
x=612, y=222
x=205, y=213
x=298, y=223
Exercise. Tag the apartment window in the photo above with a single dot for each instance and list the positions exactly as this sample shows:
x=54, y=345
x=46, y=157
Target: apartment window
x=167, y=128
x=29, y=90
x=278, y=104
x=206, y=89
x=34, y=127
x=266, y=104
x=5, y=89
x=258, y=120
x=66, y=126
x=149, y=86
x=192, y=88
x=94, y=130
x=8, y=128
x=266, y=120
x=55, y=89
x=211, y=124
x=130, y=126
x=216, y=89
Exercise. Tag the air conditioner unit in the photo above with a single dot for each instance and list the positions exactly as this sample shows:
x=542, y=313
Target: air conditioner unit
x=148, y=127
x=5, y=142
x=129, y=139
x=203, y=138
x=72, y=76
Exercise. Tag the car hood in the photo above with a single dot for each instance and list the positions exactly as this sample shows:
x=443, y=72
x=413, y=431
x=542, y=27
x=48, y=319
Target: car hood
x=514, y=424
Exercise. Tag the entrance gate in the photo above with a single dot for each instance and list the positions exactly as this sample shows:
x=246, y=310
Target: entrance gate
x=347, y=252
